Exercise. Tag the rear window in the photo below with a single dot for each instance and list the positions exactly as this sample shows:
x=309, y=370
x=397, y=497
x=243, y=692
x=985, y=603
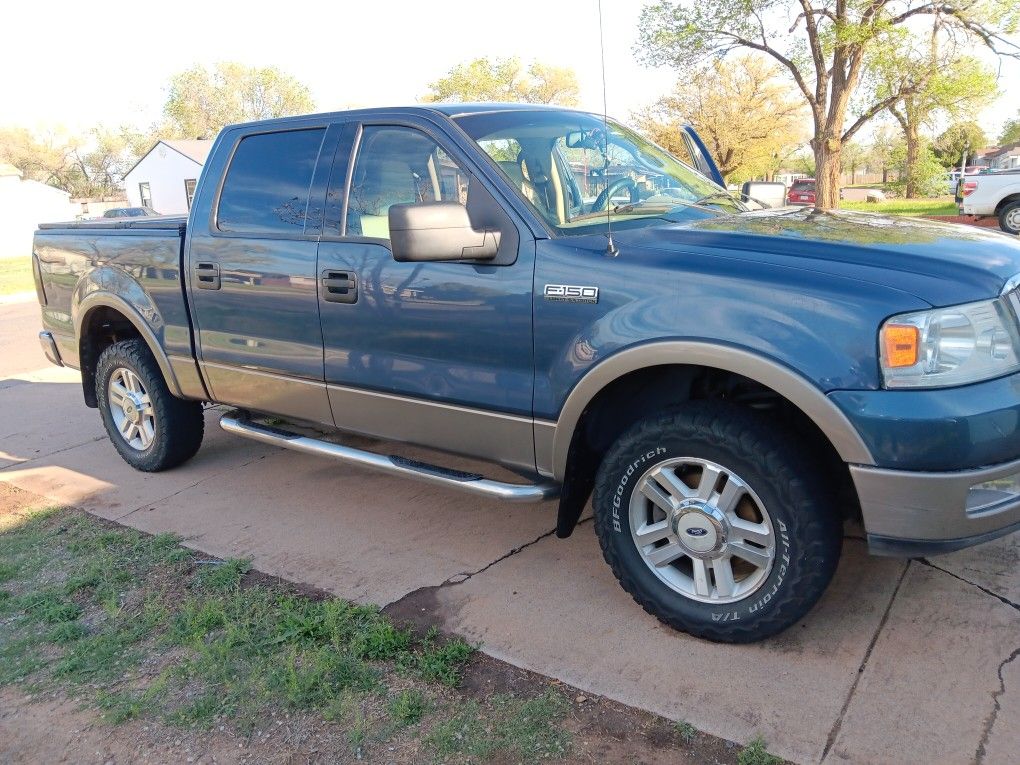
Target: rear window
x=804, y=185
x=266, y=188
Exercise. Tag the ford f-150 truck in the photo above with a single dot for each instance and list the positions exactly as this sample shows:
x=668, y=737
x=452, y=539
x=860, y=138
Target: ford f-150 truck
x=992, y=194
x=546, y=290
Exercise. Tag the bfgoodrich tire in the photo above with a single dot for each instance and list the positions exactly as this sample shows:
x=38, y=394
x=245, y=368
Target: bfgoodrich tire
x=150, y=428
x=717, y=522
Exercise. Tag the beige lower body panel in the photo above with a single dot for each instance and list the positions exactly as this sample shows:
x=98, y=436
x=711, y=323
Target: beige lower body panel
x=292, y=397
x=188, y=379
x=501, y=438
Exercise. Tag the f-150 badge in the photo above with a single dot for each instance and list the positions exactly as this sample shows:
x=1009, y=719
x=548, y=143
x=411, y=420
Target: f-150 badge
x=571, y=293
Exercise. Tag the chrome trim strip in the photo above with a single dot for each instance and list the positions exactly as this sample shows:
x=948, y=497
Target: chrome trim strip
x=506, y=492
x=1011, y=284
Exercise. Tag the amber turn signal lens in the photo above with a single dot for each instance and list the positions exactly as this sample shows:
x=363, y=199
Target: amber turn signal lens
x=901, y=343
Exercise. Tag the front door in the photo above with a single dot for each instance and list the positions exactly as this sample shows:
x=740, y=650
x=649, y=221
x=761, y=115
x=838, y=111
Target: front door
x=251, y=266
x=438, y=354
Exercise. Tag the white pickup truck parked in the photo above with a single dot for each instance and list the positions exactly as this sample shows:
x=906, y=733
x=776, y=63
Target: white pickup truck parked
x=992, y=193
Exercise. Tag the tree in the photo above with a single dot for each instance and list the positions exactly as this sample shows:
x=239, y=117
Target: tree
x=504, y=79
x=88, y=165
x=1010, y=131
x=200, y=102
x=884, y=150
x=744, y=112
x=949, y=146
x=934, y=82
x=853, y=157
x=825, y=45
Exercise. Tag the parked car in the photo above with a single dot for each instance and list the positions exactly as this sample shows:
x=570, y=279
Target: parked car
x=953, y=176
x=513, y=283
x=802, y=192
x=129, y=212
x=990, y=194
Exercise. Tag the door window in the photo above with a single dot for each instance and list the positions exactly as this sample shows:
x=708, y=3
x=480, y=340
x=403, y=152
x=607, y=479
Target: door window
x=399, y=165
x=266, y=187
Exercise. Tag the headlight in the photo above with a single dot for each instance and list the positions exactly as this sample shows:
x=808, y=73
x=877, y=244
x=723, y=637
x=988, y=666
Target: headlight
x=949, y=346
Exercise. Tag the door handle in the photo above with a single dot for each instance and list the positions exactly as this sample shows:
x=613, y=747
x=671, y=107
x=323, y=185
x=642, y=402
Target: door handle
x=339, y=286
x=208, y=276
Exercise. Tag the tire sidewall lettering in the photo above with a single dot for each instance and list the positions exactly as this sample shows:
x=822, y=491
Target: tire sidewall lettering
x=621, y=487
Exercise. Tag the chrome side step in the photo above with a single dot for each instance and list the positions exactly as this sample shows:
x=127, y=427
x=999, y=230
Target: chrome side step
x=235, y=422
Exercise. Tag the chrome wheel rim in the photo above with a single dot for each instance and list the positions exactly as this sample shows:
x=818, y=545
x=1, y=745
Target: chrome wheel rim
x=1013, y=219
x=131, y=409
x=702, y=530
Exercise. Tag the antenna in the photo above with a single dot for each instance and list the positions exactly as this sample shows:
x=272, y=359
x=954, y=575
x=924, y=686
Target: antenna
x=611, y=249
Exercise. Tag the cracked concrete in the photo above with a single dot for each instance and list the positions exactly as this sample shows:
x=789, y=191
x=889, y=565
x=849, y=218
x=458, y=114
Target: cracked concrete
x=898, y=663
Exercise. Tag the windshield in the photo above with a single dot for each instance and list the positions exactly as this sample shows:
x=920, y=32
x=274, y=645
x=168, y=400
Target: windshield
x=576, y=174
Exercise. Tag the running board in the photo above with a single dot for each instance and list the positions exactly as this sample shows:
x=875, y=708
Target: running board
x=235, y=422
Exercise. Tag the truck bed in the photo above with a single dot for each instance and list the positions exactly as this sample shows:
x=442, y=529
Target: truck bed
x=176, y=223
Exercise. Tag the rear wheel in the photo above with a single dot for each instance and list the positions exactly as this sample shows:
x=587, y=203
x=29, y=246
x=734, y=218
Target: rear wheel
x=1009, y=218
x=717, y=522
x=150, y=428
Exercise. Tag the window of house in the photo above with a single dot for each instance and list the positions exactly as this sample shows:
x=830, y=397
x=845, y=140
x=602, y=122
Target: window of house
x=266, y=187
x=144, y=194
x=189, y=190
x=399, y=165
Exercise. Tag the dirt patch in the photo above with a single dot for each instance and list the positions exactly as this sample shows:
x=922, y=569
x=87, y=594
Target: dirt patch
x=967, y=220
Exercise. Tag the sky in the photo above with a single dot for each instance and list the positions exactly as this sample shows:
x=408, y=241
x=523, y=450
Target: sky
x=73, y=65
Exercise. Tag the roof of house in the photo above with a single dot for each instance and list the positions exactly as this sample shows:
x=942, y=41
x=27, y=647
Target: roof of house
x=196, y=150
x=1009, y=149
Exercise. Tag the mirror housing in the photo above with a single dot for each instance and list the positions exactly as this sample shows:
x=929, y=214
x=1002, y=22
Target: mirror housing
x=764, y=193
x=438, y=231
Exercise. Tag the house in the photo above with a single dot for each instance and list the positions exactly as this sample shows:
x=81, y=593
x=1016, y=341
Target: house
x=165, y=177
x=23, y=206
x=1003, y=157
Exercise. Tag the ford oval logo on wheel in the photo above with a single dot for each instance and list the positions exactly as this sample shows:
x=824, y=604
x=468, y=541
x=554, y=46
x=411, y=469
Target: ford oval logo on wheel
x=695, y=531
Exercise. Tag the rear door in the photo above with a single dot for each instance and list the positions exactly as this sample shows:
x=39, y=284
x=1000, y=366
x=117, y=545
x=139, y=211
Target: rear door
x=438, y=354
x=252, y=271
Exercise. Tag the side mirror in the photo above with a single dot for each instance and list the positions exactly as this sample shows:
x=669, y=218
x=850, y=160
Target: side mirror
x=762, y=194
x=437, y=231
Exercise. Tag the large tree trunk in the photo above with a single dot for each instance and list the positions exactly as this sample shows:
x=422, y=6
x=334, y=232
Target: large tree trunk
x=827, y=173
x=913, y=157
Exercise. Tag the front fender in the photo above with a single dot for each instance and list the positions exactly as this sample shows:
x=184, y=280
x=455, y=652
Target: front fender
x=787, y=383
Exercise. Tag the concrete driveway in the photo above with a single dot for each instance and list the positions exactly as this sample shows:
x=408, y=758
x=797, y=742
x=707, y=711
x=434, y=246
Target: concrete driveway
x=901, y=662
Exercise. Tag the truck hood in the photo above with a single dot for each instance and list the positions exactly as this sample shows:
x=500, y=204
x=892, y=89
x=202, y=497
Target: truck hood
x=941, y=263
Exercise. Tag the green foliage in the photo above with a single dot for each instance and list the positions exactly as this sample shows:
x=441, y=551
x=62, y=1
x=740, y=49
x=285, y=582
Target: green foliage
x=685, y=731
x=438, y=661
x=948, y=147
x=505, y=79
x=755, y=753
x=911, y=207
x=408, y=707
x=223, y=575
x=201, y=101
x=1010, y=131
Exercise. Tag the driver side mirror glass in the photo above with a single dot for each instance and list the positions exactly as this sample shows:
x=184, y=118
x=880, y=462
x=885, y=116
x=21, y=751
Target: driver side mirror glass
x=438, y=231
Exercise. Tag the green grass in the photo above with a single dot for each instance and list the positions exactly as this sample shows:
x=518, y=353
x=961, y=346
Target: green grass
x=685, y=731
x=15, y=275
x=755, y=753
x=139, y=628
x=944, y=206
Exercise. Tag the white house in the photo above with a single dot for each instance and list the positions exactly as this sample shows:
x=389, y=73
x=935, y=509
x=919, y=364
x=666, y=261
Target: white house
x=23, y=206
x=165, y=177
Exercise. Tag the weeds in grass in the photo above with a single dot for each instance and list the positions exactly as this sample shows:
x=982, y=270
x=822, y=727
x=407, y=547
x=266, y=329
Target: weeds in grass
x=85, y=605
x=756, y=753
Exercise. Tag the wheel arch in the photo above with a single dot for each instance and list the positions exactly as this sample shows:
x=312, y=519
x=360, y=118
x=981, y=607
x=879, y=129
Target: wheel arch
x=1008, y=199
x=563, y=449
x=95, y=312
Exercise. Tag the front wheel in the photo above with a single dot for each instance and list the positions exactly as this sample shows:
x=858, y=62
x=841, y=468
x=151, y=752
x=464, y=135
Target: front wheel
x=150, y=428
x=1009, y=218
x=716, y=521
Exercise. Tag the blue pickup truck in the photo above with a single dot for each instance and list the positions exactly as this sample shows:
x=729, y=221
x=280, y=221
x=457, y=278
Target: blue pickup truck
x=546, y=290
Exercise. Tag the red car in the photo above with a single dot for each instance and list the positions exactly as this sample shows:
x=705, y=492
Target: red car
x=802, y=192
